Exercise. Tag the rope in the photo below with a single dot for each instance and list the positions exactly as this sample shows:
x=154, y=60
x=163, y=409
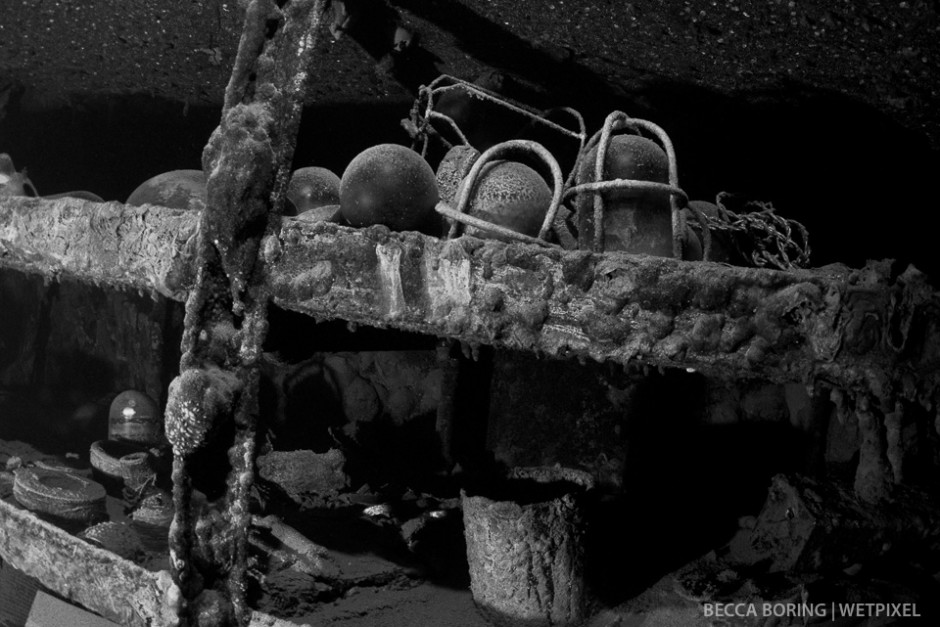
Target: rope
x=759, y=235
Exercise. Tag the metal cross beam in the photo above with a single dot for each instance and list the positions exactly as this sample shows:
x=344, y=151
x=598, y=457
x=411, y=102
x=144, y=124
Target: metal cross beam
x=94, y=577
x=864, y=330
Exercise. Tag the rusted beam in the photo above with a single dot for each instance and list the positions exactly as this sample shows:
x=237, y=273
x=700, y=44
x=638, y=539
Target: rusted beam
x=855, y=329
x=144, y=248
x=93, y=577
x=98, y=579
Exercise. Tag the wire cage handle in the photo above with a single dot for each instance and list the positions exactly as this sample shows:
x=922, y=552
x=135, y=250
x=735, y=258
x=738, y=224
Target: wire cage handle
x=426, y=100
x=459, y=215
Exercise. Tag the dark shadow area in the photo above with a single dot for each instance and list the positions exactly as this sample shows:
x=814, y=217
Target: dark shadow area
x=685, y=485
x=472, y=394
x=396, y=456
x=106, y=145
x=295, y=336
x=330, y=136
x=109, y=145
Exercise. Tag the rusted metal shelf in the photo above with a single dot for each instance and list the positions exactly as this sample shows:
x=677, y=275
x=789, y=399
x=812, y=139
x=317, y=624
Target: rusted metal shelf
x=97, y=579
x=857, y=329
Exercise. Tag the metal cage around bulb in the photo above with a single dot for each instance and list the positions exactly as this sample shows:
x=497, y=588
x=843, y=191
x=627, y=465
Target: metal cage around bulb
x=601, y=140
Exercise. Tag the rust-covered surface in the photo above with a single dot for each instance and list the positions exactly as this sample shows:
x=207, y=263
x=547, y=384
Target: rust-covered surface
x=852, y=328
x=96, y=578
x=142, y=248
x=861, y=329
x=247, y=161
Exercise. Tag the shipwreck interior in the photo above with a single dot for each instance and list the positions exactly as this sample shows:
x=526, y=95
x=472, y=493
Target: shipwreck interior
x=283, y=419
